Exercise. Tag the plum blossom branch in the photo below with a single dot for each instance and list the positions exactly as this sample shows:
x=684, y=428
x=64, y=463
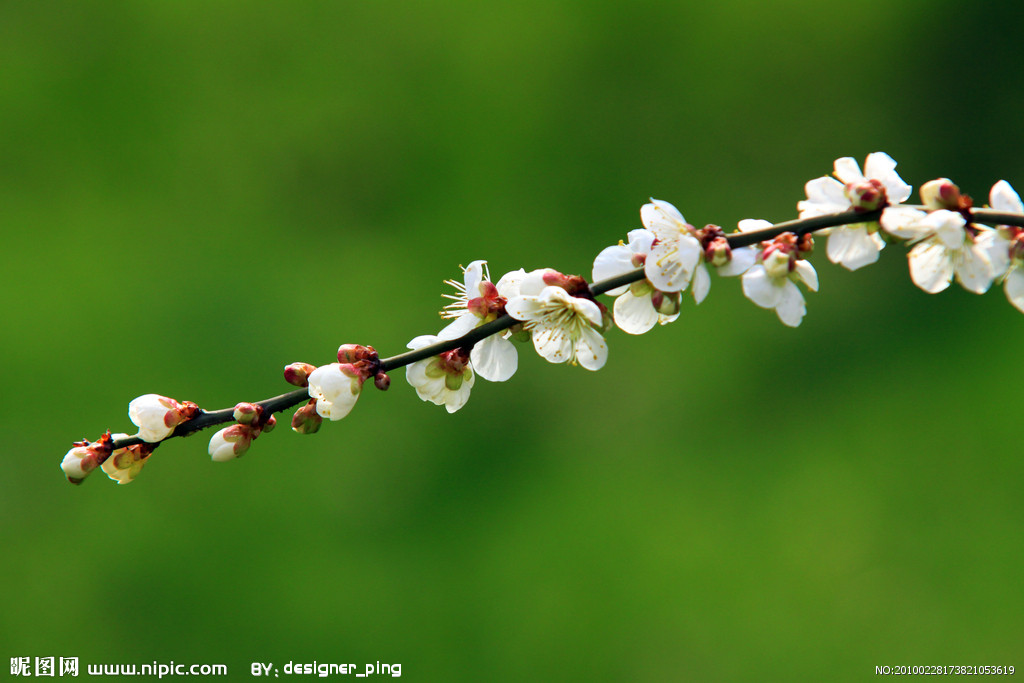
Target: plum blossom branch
x=860, y=212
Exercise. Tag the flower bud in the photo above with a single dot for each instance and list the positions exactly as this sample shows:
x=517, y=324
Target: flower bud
x=269, y=424
x=305, y=420
x=718, y=252
x=124, y=464
x=336, y=388
x=805, y=247
x=84, y=457
x=78, y=463
x=230, y=442
x=157, y=416
x=867, y=194
x=940, y=193
x=776, y=263
x=666, y=303
x=298, y=374
x=353, y=353
x=247, y=413
x=382, y=381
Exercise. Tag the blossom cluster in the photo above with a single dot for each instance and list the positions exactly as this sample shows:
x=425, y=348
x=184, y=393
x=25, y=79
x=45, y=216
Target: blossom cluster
x=860, y=212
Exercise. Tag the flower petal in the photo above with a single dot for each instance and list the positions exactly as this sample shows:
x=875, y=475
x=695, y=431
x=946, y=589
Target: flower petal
x=495, y=358
x=701, y=283
x=905, y=222
x=791, y=308
x=853, y=246
x=474, y=275
x=459, y=327
x=1015, y=289
x=931, y=268
x=552, y=343
x=1004, y=198
x=634, y=314
x=670, y=264
x=824, y=196
x=760, y=288
x=805, y=272
x=591, y=351
x=742, y=259
x=612, y=262
x=525, y=307
x=847, y=170
x=974, y=270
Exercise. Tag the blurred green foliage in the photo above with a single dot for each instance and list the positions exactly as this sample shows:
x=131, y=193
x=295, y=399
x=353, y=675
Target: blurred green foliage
x=195, y=194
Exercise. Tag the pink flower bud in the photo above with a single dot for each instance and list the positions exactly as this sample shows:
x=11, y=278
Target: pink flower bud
x=230, y=442
x=247, y=413
x=305, y=420
x=298, y=373
x=867, y=194
x=157, y=416
x=718, y=252
x=269, y=424
x=382, y=381
x=940, y=193
x=84, y=457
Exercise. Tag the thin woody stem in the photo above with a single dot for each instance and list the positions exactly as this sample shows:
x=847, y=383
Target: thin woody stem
x=737, y=239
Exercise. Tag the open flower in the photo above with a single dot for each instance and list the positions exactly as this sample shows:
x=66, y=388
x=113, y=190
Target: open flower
x=156, y=416
x=445, y=379
x=1005, y=245
x=943, y=248
x=336, y=388
x=771, y=282
x=858, y=244
x=674, y=255
x=564, y=328
x=478, y=301
x=638, y=306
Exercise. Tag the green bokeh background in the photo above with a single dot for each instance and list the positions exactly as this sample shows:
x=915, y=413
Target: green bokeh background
x=195, y=194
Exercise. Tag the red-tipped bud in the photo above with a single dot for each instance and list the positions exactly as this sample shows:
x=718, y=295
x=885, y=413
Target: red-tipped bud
x=247, y=413
x=866, y=195
x=305, y=420
x=269, y=424
x=353, y=353
x=718, y=252
x=805, y=247
x=381, y=381
x=298, y=374
x=940, y=193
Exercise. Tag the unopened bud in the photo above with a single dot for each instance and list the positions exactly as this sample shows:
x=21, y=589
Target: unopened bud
x=666, y=303
x=247, y=413
x=230, y=442
x=298, y=374
x=866, y=195
x=353, y=353
x=270, y=423
x=805, y=247
x=381, y=381
x=777, y=263
x=718, y=252
x=305, y=420
x=940, y=193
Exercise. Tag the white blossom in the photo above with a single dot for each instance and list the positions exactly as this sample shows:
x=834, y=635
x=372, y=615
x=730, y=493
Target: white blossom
x=478, y=301
x=674, y=255
x=564, y=328
x=943, y=248
x=771, y=282
x=336, y=388
x=445, y=379
x=858, y=244
x=1005, y=245
x=156, y=416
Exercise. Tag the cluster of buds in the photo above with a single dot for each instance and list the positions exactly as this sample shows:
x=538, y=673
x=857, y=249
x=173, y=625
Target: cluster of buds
x=334, y=388
x=251, y=420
